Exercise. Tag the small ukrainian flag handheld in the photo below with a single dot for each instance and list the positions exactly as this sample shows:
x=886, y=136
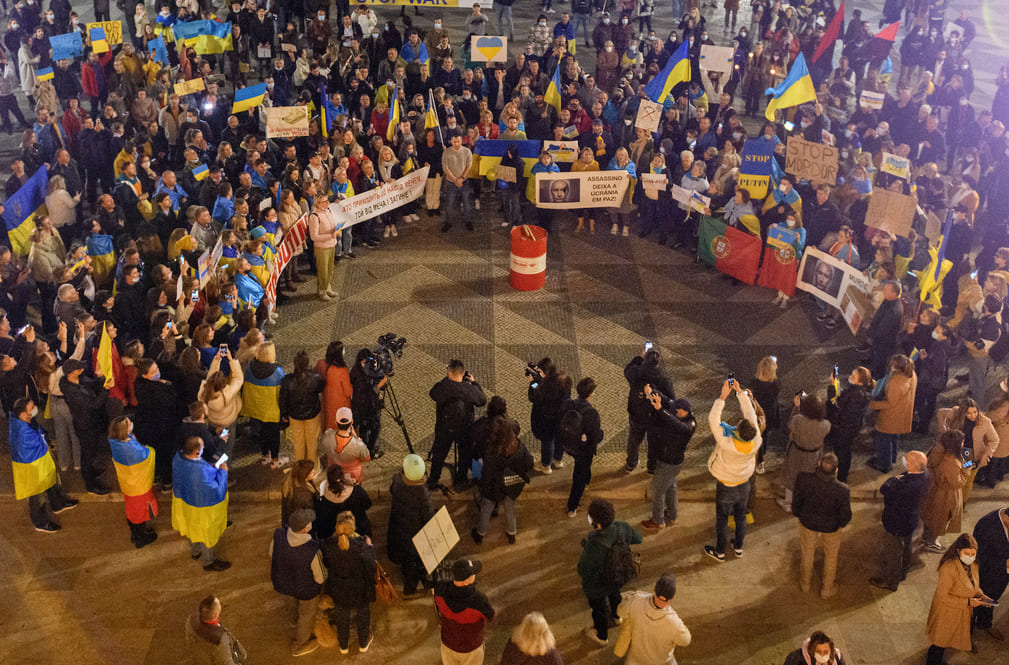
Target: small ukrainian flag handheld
x=797, y=88
x=20, y=210
x=201, y=172
x=45, y=74
x=248, y=98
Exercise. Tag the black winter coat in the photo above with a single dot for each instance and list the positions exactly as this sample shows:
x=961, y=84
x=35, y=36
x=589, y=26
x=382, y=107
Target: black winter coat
x=901, y=497
x=821, y=502
x=351, y=581
x=547, y=397
x=409, y=511
x=847, y=415
x=668, y=435
x=299, y=396
x=157, y=417
x=638, y=374
x=498, y=468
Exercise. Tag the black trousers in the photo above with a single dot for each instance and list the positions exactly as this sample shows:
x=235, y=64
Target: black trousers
x=9, y=107
x=581, y=475
x=95, y=456
x=41, y=507
x=362, y=621
x=603, y=608
x=443, y=440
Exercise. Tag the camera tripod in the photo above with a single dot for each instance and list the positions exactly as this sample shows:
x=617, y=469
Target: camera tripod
x=392, y=408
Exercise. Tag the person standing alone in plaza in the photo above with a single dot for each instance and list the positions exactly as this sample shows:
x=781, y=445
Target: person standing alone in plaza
x=823, y=505
x=455, y=165
x=671, y=427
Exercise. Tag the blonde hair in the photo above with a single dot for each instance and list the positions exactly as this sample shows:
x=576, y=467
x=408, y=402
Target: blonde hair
x=267, y=352
x=767, y=369
x=533, y=636
x=345, y=527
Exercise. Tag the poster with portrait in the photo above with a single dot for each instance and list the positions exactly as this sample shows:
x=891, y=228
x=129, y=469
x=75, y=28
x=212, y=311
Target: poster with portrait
x=587, y=189
x=828, y=278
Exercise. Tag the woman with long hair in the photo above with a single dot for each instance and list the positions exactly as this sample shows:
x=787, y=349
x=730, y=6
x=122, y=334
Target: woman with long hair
x=336, y=377
x=300, y=406
x=894, y=399
x=260, y=402
x=340, y=494
x=817, y=648
x=549, y=389
x=506, y=465
x=942, y=506
x=134, y=465
x=807, y=428
x=297, y=490
x=846, y=412
x=957, y=593
x=765, y=389
x=222, y=393
x=979, y=435
x=350, y=560
x=532, y=643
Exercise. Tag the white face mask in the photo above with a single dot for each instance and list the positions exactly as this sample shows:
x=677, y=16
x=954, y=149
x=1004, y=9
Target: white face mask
x=35, y=411
x=935, y=334
x=790, y=223
x=589, y=517
x=967, y=560
x=609, y=49
x=844, y=154
x=822, y=659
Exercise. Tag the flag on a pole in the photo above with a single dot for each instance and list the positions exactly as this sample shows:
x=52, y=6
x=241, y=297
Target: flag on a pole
x=390, y=131
x=248, y=98
x=677, y=70
x=797, y=88
x=20, y=210
x=553, y=94
x=831, y=33
x=889, y=33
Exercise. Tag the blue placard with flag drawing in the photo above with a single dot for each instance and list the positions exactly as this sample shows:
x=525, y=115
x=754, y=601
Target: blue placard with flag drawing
x=158, y=50
x=20, y=209
x=69, y=45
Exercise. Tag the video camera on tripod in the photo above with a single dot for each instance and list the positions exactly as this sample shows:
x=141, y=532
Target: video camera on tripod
x=379, y=365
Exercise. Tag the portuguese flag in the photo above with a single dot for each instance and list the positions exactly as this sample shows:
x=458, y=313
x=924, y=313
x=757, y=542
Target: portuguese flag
x=731, y=251
x=781, y=260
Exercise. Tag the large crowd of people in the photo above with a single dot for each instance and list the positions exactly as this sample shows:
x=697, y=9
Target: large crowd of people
x=125, y=361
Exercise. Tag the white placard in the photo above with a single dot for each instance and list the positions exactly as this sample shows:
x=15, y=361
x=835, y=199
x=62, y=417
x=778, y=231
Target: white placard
x=436, y=539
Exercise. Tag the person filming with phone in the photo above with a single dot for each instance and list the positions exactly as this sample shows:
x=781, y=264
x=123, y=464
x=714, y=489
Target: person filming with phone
x=644, y=369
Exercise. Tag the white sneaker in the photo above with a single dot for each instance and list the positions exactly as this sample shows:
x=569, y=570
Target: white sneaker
x=385, y=234
x=407, y=219
x=505, y=224
x=590, y=632
x=414, y=217
x=777, y=299
x=760, y=469
x=784, y=302
x=558, y=464
x=625, y=232
x=545, y=470
x=614, y=229
x=572, y=513
x=395, y=233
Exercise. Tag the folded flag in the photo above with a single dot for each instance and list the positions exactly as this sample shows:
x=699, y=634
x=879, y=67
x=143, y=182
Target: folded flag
x=105, y=356
x=248, y=98
x=199, y=500
x=34, y=469
x=20, y=210
x=731, y=251
x=45, y=74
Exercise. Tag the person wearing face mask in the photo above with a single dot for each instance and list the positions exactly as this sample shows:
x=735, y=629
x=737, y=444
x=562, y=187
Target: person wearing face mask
x=957, y=594
x=134, y=464
x=980, y=436
x=993, y=565
x=933, y=375
x=35, y=474
x=902, y=495
x=540, y=37
x=817, y=649
x=603, y=32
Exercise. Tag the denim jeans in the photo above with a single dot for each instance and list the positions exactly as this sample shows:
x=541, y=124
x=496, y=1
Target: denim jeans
x=886, y=450
x=664, y=501
x=582, y=20
x=512, y=204
x=42, y=506
x=581, y=475
x=452, y=196
x=487, y=507
x=346, y=242
x=504, y=15
x=977, y=371
x=550, y=451
x=730, y=501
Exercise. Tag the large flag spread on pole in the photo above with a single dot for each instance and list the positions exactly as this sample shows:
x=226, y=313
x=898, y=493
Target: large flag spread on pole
x=677, y=70
x=731, y=251
x=553, y=93
x=889, y=33
x=390, y=131
x=249, y=97
x=205, y=37
x=20, y=209
x=831, y=33
x=797, y=88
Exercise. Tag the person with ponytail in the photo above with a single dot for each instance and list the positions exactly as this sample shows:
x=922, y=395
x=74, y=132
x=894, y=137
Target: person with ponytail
x=350, y=559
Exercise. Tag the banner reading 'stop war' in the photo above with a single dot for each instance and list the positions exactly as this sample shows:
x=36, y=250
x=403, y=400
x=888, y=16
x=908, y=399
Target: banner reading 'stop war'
x=586, y=189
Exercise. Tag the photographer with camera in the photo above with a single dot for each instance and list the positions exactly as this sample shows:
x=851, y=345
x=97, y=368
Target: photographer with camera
x=456, y=396
x=641, y=371
x=549, y=389
x=367, y=401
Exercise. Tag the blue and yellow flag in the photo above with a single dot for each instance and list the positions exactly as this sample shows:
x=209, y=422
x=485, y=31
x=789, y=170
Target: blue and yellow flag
x=677, y=70
x=390, y=131
x=553, y=93
x=931, y=278
x=105, y=356
x=431, y=119
x=797, y=88
x=205, y=37
x=98, y=42
x=248, y=98
x=201, y=172
x=199, y=500
x=327, y=112
x=20, y=209
x=134, y=466
x=103, y=259
x=158, y=50
x=45, y=74
x=491, y=152
x=34, y=469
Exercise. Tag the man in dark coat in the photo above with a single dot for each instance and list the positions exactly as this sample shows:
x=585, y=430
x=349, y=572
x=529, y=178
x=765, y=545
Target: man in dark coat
x=992, y=535
x=87, y=402
x=463, y=611
x=456, y=396
x=130, y=306
x=297, y=570
x=156, y=421
x=884, y=329
x=901, y=496
x=670, y=428
x=823, y=505
x=641, y=371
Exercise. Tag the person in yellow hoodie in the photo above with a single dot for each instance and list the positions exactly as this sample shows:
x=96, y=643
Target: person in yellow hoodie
x=732, y=463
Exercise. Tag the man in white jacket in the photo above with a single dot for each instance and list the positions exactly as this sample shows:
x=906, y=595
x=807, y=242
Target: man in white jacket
x=651, y=629
x=732, y=463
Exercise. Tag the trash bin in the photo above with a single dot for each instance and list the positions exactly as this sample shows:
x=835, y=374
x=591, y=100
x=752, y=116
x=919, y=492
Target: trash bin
x=528, y=269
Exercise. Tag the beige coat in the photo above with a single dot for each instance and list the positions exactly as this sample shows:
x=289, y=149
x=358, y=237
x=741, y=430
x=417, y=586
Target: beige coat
x=942, y=506
x=223, y=408
x=1000, y=421
x=948, y=622
x=896, y=410
x=985, y=438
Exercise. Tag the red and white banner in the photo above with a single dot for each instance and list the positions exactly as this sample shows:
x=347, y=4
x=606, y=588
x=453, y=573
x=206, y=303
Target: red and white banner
x=293, y=240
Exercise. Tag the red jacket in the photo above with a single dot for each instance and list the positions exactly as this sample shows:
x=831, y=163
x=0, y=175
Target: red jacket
x=89, y=80
x=463, y=611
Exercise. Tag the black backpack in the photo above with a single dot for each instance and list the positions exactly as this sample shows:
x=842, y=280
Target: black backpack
x=621, y=564
x=570, y=432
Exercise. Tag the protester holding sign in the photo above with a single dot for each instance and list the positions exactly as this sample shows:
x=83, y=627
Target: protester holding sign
x=585, y=163
x=621, y=215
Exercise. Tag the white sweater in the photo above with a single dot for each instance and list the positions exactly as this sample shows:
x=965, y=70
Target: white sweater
x=732, y=462
x=648, y=634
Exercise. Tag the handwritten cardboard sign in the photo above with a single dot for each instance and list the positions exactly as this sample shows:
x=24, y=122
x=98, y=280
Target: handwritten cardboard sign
x=184, y=88
x=649, y=116
x=506, y=173
x=890, y=211
x=810, y=161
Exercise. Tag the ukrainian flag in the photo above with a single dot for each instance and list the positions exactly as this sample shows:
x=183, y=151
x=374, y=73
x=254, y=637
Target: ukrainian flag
x=327, y=112
x=931, y=278
x=45, y=74
x=553, y=93
x=491, y=152
x=105, y=356
x=201, y=172
x=393, y=113
x=248, y=98
x=797, y=88
x=103, y=258
x=228, y=257
x=20, y=209
x=206, y=36
x=677, y=70
x=98, y=42
x=431, y=119
x=34, y=469
x=158, y=50
x=134, y=466
x=259, y=396
x=199, y=500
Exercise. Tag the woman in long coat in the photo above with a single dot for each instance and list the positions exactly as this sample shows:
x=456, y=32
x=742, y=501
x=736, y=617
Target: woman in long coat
x=979, y=435
x=957, y=593
x=807, y=428
x=942, y=506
